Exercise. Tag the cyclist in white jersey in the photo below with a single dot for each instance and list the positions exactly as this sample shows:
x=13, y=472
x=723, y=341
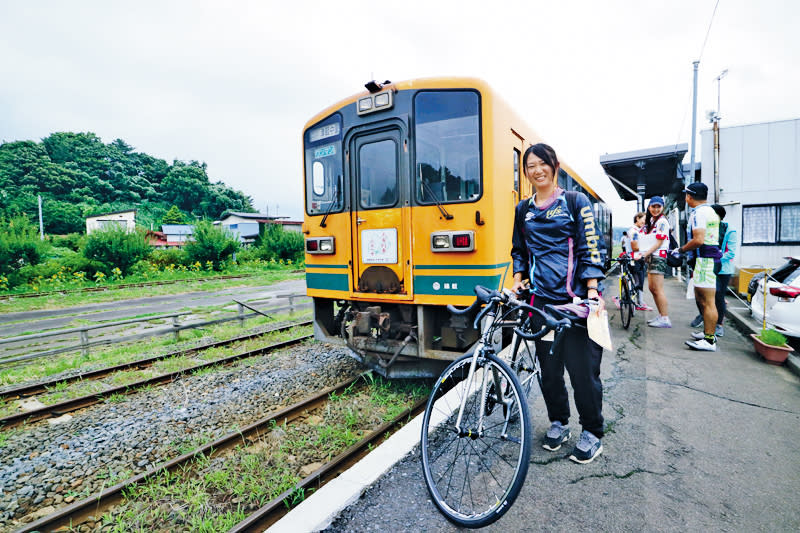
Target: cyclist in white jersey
x=704, y=224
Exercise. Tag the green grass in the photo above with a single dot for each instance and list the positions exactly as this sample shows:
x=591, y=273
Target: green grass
x=214, y=494
x=60, y=301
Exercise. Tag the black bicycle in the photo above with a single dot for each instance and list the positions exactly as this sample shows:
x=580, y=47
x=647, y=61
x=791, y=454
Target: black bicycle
x=476, y=431
x=628, y=293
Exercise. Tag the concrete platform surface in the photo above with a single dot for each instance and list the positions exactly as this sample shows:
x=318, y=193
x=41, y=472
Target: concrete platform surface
x=695, y=441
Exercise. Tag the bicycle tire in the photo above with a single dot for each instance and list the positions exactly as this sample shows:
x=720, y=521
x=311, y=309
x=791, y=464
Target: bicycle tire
x=477, y=460
x=625, y=303
x=525, y=364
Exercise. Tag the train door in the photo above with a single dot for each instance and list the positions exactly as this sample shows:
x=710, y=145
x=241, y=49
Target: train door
x=381, y=226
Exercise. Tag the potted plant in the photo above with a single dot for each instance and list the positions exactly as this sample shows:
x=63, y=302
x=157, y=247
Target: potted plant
x=771, y=345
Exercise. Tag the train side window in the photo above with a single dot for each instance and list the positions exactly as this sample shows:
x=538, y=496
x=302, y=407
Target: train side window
x=516, y=170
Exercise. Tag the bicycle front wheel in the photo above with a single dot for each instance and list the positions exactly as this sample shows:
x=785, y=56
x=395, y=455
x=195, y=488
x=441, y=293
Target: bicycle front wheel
x=474, y=471
x=625, y=302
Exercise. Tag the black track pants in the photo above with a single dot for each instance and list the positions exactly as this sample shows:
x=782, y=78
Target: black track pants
x=581, y=356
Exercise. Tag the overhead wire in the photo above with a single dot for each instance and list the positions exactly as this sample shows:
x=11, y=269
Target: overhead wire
x=702, y=50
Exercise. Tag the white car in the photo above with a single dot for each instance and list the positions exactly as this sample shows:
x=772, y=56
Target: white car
x=783, y=299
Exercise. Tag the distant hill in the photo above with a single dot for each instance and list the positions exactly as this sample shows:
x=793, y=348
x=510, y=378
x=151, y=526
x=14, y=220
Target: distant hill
x=78, y=176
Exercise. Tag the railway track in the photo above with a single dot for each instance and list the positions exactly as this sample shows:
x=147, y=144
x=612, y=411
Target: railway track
x=77, y=513
x=61, y=408
x=41, y=387
x=102, y=288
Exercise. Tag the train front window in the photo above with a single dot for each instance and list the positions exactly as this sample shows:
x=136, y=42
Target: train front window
x=377, y=169
x=447, y=133
x=323, y=153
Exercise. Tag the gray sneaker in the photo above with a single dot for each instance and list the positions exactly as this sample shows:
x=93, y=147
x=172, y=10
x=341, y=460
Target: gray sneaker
x=698, y=320
x=556, y=436
x=587, y=449
x=719, y=331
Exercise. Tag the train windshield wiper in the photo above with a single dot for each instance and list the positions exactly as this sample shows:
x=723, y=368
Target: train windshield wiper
x=442, y=210
x=334, y=202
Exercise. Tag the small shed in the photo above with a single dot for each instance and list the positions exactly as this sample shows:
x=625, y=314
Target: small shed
x=114, y=219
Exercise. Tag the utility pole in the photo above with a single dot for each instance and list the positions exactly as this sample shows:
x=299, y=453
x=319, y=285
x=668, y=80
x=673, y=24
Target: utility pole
x=41, y=226
x=694, y=124
x=715, y=119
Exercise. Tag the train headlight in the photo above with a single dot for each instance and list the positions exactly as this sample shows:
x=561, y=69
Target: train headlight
x=320, y=245
x=382, y=100
x=441, y=241
x=365, y=104
x=453, y=241
x=375, y=102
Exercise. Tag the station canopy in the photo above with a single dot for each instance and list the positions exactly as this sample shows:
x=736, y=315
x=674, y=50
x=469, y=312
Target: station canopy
x=649, y=172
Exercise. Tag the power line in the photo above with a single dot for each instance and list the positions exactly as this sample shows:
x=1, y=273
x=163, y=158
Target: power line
x=708, y=31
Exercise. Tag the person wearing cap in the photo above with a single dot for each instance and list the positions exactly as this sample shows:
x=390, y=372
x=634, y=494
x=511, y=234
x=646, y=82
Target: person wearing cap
x=704, y=225
x=729, y=243
x=654, y=245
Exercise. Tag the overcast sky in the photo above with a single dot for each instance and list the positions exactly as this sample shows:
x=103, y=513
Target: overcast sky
x=232, y=83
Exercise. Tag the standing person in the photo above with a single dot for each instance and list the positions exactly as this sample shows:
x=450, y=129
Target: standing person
x=625, y=242
x=639, y=265
x=704, y=224
x=729, y=243
x=656, y=228
x=556, y=246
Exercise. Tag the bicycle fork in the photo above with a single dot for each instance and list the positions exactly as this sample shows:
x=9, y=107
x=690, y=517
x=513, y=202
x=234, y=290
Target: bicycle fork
x=499, y=396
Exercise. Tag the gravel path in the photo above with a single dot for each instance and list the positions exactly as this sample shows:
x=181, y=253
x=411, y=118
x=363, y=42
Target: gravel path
x=47, y=466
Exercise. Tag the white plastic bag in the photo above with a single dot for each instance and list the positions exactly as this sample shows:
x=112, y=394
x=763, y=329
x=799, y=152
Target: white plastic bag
x=690, y=289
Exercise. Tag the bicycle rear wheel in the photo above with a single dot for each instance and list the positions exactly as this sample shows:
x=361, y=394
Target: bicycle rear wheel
x=475, y=474
x=625, y=302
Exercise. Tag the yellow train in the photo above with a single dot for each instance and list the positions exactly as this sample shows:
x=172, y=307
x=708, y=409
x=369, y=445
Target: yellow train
x=410, y=191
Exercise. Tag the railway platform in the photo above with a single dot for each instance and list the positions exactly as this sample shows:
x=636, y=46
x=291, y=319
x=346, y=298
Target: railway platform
x=694, y=441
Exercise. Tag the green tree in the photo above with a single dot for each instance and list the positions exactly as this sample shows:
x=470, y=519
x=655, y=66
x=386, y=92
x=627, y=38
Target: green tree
x=116, y=247
x=185, y=185
x=211, y=243
x=173, y=216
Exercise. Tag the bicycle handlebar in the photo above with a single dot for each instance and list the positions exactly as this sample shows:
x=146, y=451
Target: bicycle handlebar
x=507, y=297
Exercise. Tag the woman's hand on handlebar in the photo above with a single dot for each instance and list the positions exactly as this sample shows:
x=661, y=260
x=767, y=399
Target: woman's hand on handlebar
x=519, y=285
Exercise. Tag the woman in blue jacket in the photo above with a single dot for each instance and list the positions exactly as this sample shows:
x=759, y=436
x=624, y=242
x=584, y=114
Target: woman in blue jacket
x=556, y=245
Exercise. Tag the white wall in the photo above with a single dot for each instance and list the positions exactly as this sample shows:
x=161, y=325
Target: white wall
x=126, y=219
x=759, y=164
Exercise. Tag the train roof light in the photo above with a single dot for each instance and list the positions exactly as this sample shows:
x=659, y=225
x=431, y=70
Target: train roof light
x=379, y=102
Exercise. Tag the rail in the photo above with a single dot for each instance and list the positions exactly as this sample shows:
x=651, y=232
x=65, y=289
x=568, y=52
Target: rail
x=175, y=328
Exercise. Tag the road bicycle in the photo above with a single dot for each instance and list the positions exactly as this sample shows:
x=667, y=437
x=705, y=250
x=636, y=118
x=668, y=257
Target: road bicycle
x=476, y=430
x=628, y=292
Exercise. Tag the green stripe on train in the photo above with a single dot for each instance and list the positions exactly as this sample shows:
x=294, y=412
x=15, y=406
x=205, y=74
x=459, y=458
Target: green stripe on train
x=453, y=285
x=331, y=282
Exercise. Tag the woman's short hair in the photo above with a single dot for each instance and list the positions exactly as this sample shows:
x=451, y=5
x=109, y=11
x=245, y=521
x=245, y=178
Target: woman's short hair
x=637, y=216
x=544, y=152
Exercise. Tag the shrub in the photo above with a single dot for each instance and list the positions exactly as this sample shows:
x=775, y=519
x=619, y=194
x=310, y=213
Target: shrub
x=115, y=247
x=168, y=256
x=19, y=244
x=277, y=243
x=73, y=241
x=211, y=244
x=772, y=337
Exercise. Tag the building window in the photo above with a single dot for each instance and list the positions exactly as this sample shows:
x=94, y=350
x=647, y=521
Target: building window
x=771, y=224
